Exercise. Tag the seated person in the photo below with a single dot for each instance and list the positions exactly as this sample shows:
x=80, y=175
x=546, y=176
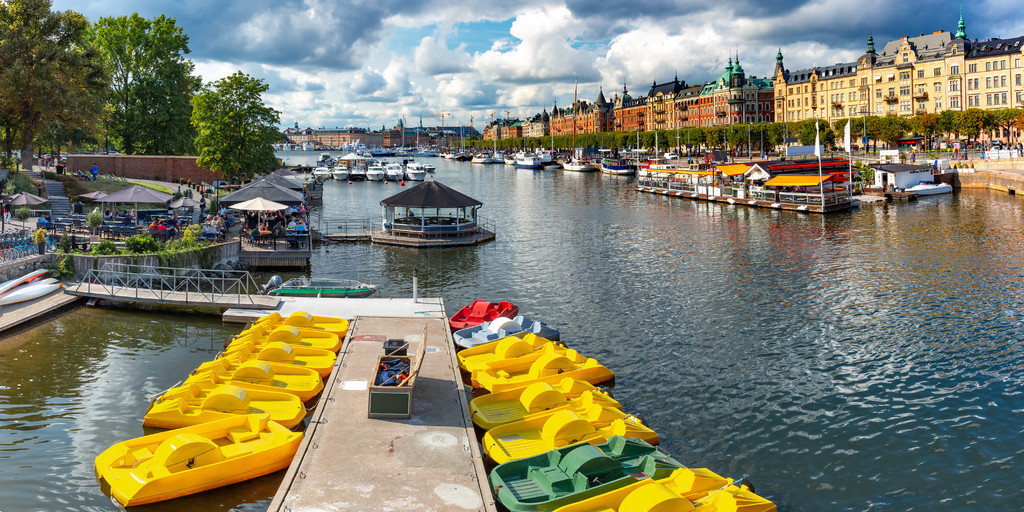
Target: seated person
x=300, y=227
x=106, y=214
x=291, y=225
x=264, y=228
x=44, y=222
x=155, y=224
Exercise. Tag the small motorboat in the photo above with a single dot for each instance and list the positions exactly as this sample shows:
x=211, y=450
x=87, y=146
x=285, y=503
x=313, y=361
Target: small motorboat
x=301, y=382
x=320, y=361
x=199, y=402
x=415, y=171
x=394, y=172
x=319, y=288
x=685, y=489
x=502, y=327
x=193, y=459
x=302, y=319
x=521, y=439
x=929, y=188
x=550, y=368
x=480, y=311
x=340, y=173
x=533, y=483
x=322, y=173
x=495, y=409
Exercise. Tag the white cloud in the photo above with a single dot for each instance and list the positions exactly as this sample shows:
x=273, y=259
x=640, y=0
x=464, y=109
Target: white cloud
x=432, y=57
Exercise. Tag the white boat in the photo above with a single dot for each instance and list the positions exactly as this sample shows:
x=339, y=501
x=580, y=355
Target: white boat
x=375, y=171
x=927, y=188
x=483, y=159
x=321, y=173
x=326, y=160
x=415, y=174
x=425, y=152
x=529, y=162
x=29, y=291
x=579, y=166
x=339, y=173
x=394, y=172
x=27, y=278
x=546, y=156
x=510, y=160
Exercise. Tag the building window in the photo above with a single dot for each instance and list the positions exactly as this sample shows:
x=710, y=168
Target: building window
x=988, y=66
x=954, y=102
x=904, y=75
x=937, y=72
x=1002, y=81
x=972, y=68
x=938, y=86
x=938, y=104
x=905, y=58
x=1002, y=64
x=988, y=82
x=904, y=90
x=920, y=73
x=853, y=82
x=1004, y=98
x=954, y=70
x=864, y=81
x=1016, y=63
x=878, y=94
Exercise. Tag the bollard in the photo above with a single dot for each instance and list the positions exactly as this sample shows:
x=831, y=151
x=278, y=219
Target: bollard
x=415, y=284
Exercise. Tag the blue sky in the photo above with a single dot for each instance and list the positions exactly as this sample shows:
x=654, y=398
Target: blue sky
x=368, y=63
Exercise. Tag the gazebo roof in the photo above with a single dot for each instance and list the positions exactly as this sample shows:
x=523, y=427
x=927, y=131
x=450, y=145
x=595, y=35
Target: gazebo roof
x=430, y=194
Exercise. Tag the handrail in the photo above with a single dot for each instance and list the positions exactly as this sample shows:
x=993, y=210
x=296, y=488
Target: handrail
x=200, y=285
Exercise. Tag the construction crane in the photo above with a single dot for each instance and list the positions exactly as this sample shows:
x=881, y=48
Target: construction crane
x=442, y=114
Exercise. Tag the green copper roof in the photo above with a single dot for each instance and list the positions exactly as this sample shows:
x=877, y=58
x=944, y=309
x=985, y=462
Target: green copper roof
x=961, y=29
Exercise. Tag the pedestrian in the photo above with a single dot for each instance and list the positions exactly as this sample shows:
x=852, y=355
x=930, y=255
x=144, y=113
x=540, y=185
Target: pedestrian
x=95, y=171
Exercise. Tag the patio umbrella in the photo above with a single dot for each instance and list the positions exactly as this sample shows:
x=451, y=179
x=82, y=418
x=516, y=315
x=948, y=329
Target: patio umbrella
x=136, y=194
x=184, y=202
x=94, y=195
x=259, y=204
x=24, y=198
x=265, y=190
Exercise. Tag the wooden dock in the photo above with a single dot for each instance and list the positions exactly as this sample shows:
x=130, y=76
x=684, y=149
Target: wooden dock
x=195, y=299
x=17, y=314
x=807, y=208
x=429, y=462
x=348, y=237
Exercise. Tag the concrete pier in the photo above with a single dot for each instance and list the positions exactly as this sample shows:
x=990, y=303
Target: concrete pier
x=348, y=461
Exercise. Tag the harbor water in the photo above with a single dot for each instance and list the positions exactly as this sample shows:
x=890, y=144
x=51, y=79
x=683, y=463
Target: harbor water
x=859, y=361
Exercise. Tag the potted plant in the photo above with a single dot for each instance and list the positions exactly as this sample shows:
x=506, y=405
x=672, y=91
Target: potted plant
x=40, y=239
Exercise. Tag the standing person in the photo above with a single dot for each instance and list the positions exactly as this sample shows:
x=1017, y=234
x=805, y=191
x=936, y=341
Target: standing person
x=95, y=171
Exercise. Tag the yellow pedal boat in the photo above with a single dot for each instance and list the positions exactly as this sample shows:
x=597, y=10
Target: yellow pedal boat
x=201, y=402
x=686, y=489
x=542, y=434
x=520, y=363
x=509, y=347
x=198, y=458
x=550, y=368
x=489, y=411
x=301, y=382
x=338, y=326
x=300, y=337
x=320, y=361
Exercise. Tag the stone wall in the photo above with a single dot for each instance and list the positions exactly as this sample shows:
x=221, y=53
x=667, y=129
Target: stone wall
x=1005, y=182
x=162, y=168
x=221, y=253
x=13, y=269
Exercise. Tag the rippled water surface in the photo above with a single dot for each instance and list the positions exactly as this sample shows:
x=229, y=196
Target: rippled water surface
x=861, y=361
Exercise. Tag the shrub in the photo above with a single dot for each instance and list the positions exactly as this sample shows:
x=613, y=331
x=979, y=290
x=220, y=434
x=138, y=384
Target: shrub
x=64, y=244
x=94, y=219
x=39, y=236
x=104, y=248
x=214, y=205
x=142, y=244
x=190, y=237
x=22, y=213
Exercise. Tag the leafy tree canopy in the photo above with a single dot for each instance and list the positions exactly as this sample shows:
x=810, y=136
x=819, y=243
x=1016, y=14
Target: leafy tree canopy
x=234, y=129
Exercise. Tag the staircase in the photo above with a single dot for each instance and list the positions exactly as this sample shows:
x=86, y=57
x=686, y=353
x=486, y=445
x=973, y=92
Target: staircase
x=60, y=205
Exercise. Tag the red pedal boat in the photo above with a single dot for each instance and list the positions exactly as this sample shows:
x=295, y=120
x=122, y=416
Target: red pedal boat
x=481, y=311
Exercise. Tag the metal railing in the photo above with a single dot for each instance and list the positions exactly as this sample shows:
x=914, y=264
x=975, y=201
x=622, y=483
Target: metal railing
x=197, y=285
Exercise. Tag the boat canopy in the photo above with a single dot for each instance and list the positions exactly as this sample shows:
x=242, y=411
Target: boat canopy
x=797, y=180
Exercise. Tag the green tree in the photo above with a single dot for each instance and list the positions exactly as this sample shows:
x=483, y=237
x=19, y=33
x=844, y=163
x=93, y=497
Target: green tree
x=949, y=123
x=1006, y=119
x=972, y=121
x=152, y=83
x=49, y=71
x=927, y=125
x=889, y=129
x=234, y=128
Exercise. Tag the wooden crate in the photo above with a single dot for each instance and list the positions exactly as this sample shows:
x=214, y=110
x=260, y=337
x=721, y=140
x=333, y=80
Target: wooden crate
x=395, y=402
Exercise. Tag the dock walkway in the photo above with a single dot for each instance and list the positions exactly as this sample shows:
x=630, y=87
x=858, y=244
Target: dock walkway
x=17, y=314
x=195, y=299
x=347, y=461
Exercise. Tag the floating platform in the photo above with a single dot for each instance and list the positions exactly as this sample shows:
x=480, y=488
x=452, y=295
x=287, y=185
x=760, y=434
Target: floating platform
x=812, y=208
x=349, y=461
x=16, y=314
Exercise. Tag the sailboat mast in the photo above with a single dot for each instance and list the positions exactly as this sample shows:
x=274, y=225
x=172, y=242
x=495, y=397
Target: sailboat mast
x=575, y=110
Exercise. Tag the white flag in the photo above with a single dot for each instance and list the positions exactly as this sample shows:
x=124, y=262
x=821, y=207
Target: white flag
x=817, y=143
x=846, y=137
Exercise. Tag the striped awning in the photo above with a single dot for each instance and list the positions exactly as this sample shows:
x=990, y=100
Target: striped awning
x=796, y=180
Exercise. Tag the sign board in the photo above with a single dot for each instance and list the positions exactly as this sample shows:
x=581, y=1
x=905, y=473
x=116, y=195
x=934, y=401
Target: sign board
x=864, y=139
x=799, y=150
x=889, y=156
x=956, y=145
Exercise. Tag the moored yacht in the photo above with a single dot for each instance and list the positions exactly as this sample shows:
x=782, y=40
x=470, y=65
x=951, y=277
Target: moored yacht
x=339, y=173
x=577, y=165
x=529, y=161
x=321, y=173
x=414, y=171
x=393, y=171
x=375, y=171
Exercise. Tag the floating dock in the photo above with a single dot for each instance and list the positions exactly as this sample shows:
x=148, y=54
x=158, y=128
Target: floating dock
x=349, y=461
x=14, y=315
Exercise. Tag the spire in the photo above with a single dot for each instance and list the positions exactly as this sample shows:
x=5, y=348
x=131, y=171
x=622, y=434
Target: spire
x=871, y=43
x=624, y=88
x=961, y=29
x=778, y=58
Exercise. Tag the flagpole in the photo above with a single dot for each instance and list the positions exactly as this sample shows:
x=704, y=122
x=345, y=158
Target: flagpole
x=849, y=159
x=817, y=153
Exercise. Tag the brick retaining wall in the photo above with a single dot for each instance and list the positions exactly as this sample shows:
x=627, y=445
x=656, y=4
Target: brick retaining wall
x=162, y=168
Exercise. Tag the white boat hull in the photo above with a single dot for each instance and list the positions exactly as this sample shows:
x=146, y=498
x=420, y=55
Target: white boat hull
x=415, y=175
x=28, y=292
x=375, y=175
x=931, y=190
x=341, y=174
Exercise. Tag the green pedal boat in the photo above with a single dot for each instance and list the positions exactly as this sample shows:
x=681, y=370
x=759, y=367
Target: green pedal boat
x=550, y=480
